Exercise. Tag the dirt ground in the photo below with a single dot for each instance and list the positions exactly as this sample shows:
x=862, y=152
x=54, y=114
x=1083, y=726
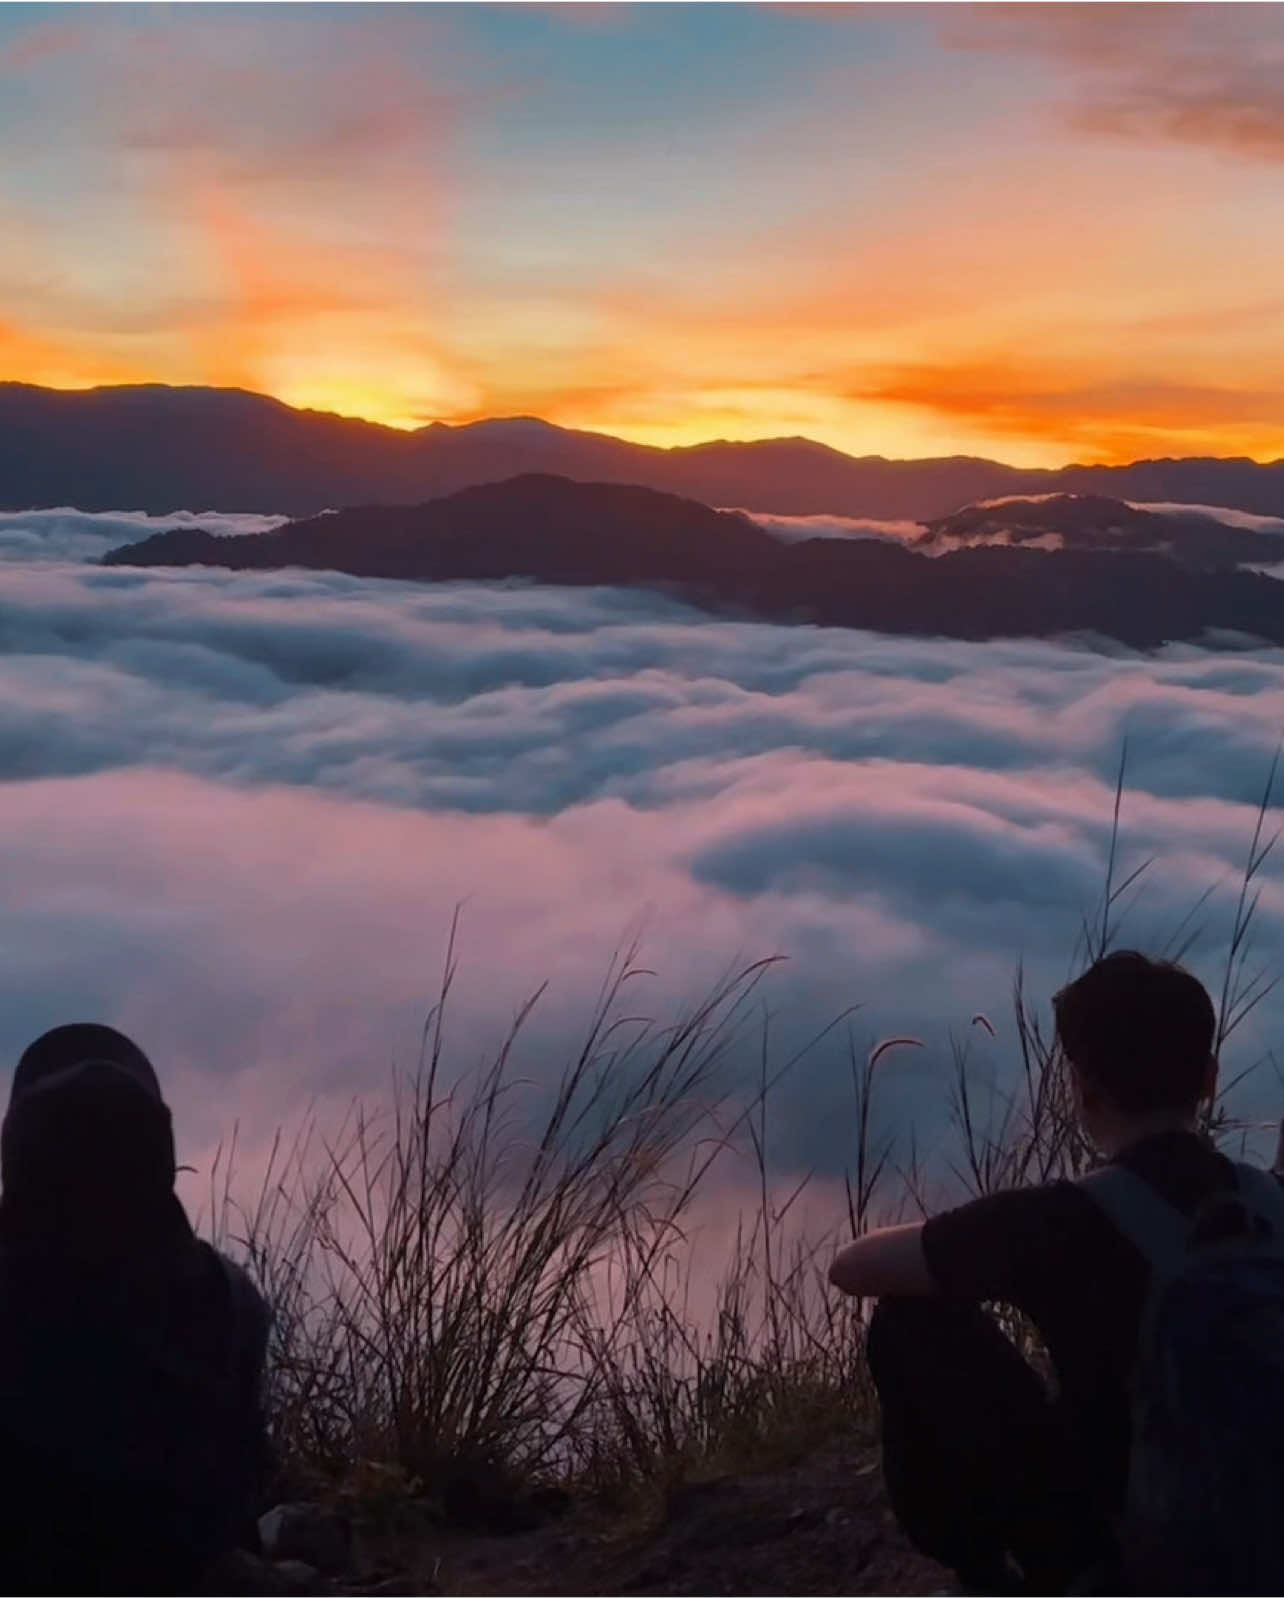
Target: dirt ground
x=818, y=1527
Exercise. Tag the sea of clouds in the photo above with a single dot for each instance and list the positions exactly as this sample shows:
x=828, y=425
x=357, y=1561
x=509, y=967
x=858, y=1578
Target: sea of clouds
x=237, y=812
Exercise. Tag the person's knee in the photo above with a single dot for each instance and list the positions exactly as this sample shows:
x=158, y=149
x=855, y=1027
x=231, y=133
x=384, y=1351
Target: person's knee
x=898, y=1329
x=926, y=1340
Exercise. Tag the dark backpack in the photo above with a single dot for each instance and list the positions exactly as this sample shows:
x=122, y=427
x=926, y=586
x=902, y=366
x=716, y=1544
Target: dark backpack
x=1205, y=1506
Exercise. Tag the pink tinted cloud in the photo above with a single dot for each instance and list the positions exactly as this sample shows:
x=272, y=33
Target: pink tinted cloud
x=1199, y=75
x=240, y=811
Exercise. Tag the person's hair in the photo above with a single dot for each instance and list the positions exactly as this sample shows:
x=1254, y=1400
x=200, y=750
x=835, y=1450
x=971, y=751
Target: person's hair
x=1139, y=1030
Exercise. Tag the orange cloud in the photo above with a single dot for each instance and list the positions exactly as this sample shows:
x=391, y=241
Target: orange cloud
x=1111, y=420
x=32, y=357
x=295, y=197
x=324, y=325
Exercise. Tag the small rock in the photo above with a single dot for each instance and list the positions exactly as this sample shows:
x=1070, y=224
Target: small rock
x=308, y=1533
x=836, y=1516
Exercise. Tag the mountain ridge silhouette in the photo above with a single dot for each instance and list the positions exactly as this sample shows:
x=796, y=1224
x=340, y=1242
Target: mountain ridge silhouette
x=555, y=530
x=160, y=449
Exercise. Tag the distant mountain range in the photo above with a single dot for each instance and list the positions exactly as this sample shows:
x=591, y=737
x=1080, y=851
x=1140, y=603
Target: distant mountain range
x=554, y=530
x=159, y=449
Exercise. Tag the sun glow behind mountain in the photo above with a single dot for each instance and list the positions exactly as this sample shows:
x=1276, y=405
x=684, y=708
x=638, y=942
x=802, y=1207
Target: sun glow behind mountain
x=1037, y=234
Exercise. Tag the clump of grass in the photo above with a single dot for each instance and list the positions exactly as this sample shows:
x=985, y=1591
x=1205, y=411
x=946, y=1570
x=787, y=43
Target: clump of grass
x=496, y=1278
x=777, y=1364
x=436, y=1269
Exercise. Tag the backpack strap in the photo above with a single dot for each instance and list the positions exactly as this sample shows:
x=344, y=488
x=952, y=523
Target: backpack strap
x=1156, y=1229
x=1262, y=1191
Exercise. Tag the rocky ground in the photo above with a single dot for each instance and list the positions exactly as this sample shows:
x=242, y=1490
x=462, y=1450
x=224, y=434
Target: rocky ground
x=820, y=1526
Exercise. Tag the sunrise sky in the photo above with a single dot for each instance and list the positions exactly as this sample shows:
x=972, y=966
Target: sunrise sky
x=1040, y=234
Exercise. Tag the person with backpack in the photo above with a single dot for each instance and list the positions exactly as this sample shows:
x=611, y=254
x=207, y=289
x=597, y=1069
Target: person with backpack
x=133, y=1451
x=1155, y=1464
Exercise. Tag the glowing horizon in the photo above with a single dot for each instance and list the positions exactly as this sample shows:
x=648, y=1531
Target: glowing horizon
x=1043, y=235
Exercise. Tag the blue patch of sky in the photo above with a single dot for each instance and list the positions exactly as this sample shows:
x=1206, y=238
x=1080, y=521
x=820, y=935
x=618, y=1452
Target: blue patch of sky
x=704, y=124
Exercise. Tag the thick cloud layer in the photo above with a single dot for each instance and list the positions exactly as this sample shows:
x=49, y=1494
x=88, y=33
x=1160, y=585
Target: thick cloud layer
x=237, y=810
x=64, y=534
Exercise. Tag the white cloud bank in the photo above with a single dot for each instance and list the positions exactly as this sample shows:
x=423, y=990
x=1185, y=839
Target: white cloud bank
x=794, y=529
x=1218, y=513
x=237, y=810
x=64, y=534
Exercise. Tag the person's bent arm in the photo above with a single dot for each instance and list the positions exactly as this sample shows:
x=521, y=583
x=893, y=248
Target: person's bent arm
x=889, y=1261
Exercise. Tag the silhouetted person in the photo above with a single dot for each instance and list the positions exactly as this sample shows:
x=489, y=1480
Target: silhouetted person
x=983, y=1467
x=132, y=1447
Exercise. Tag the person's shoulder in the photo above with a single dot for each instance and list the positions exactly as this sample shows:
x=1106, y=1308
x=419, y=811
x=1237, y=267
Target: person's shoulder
x=244, y=1292
x=999, y=1245
x=1063, y=1196
x=248, y=1306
